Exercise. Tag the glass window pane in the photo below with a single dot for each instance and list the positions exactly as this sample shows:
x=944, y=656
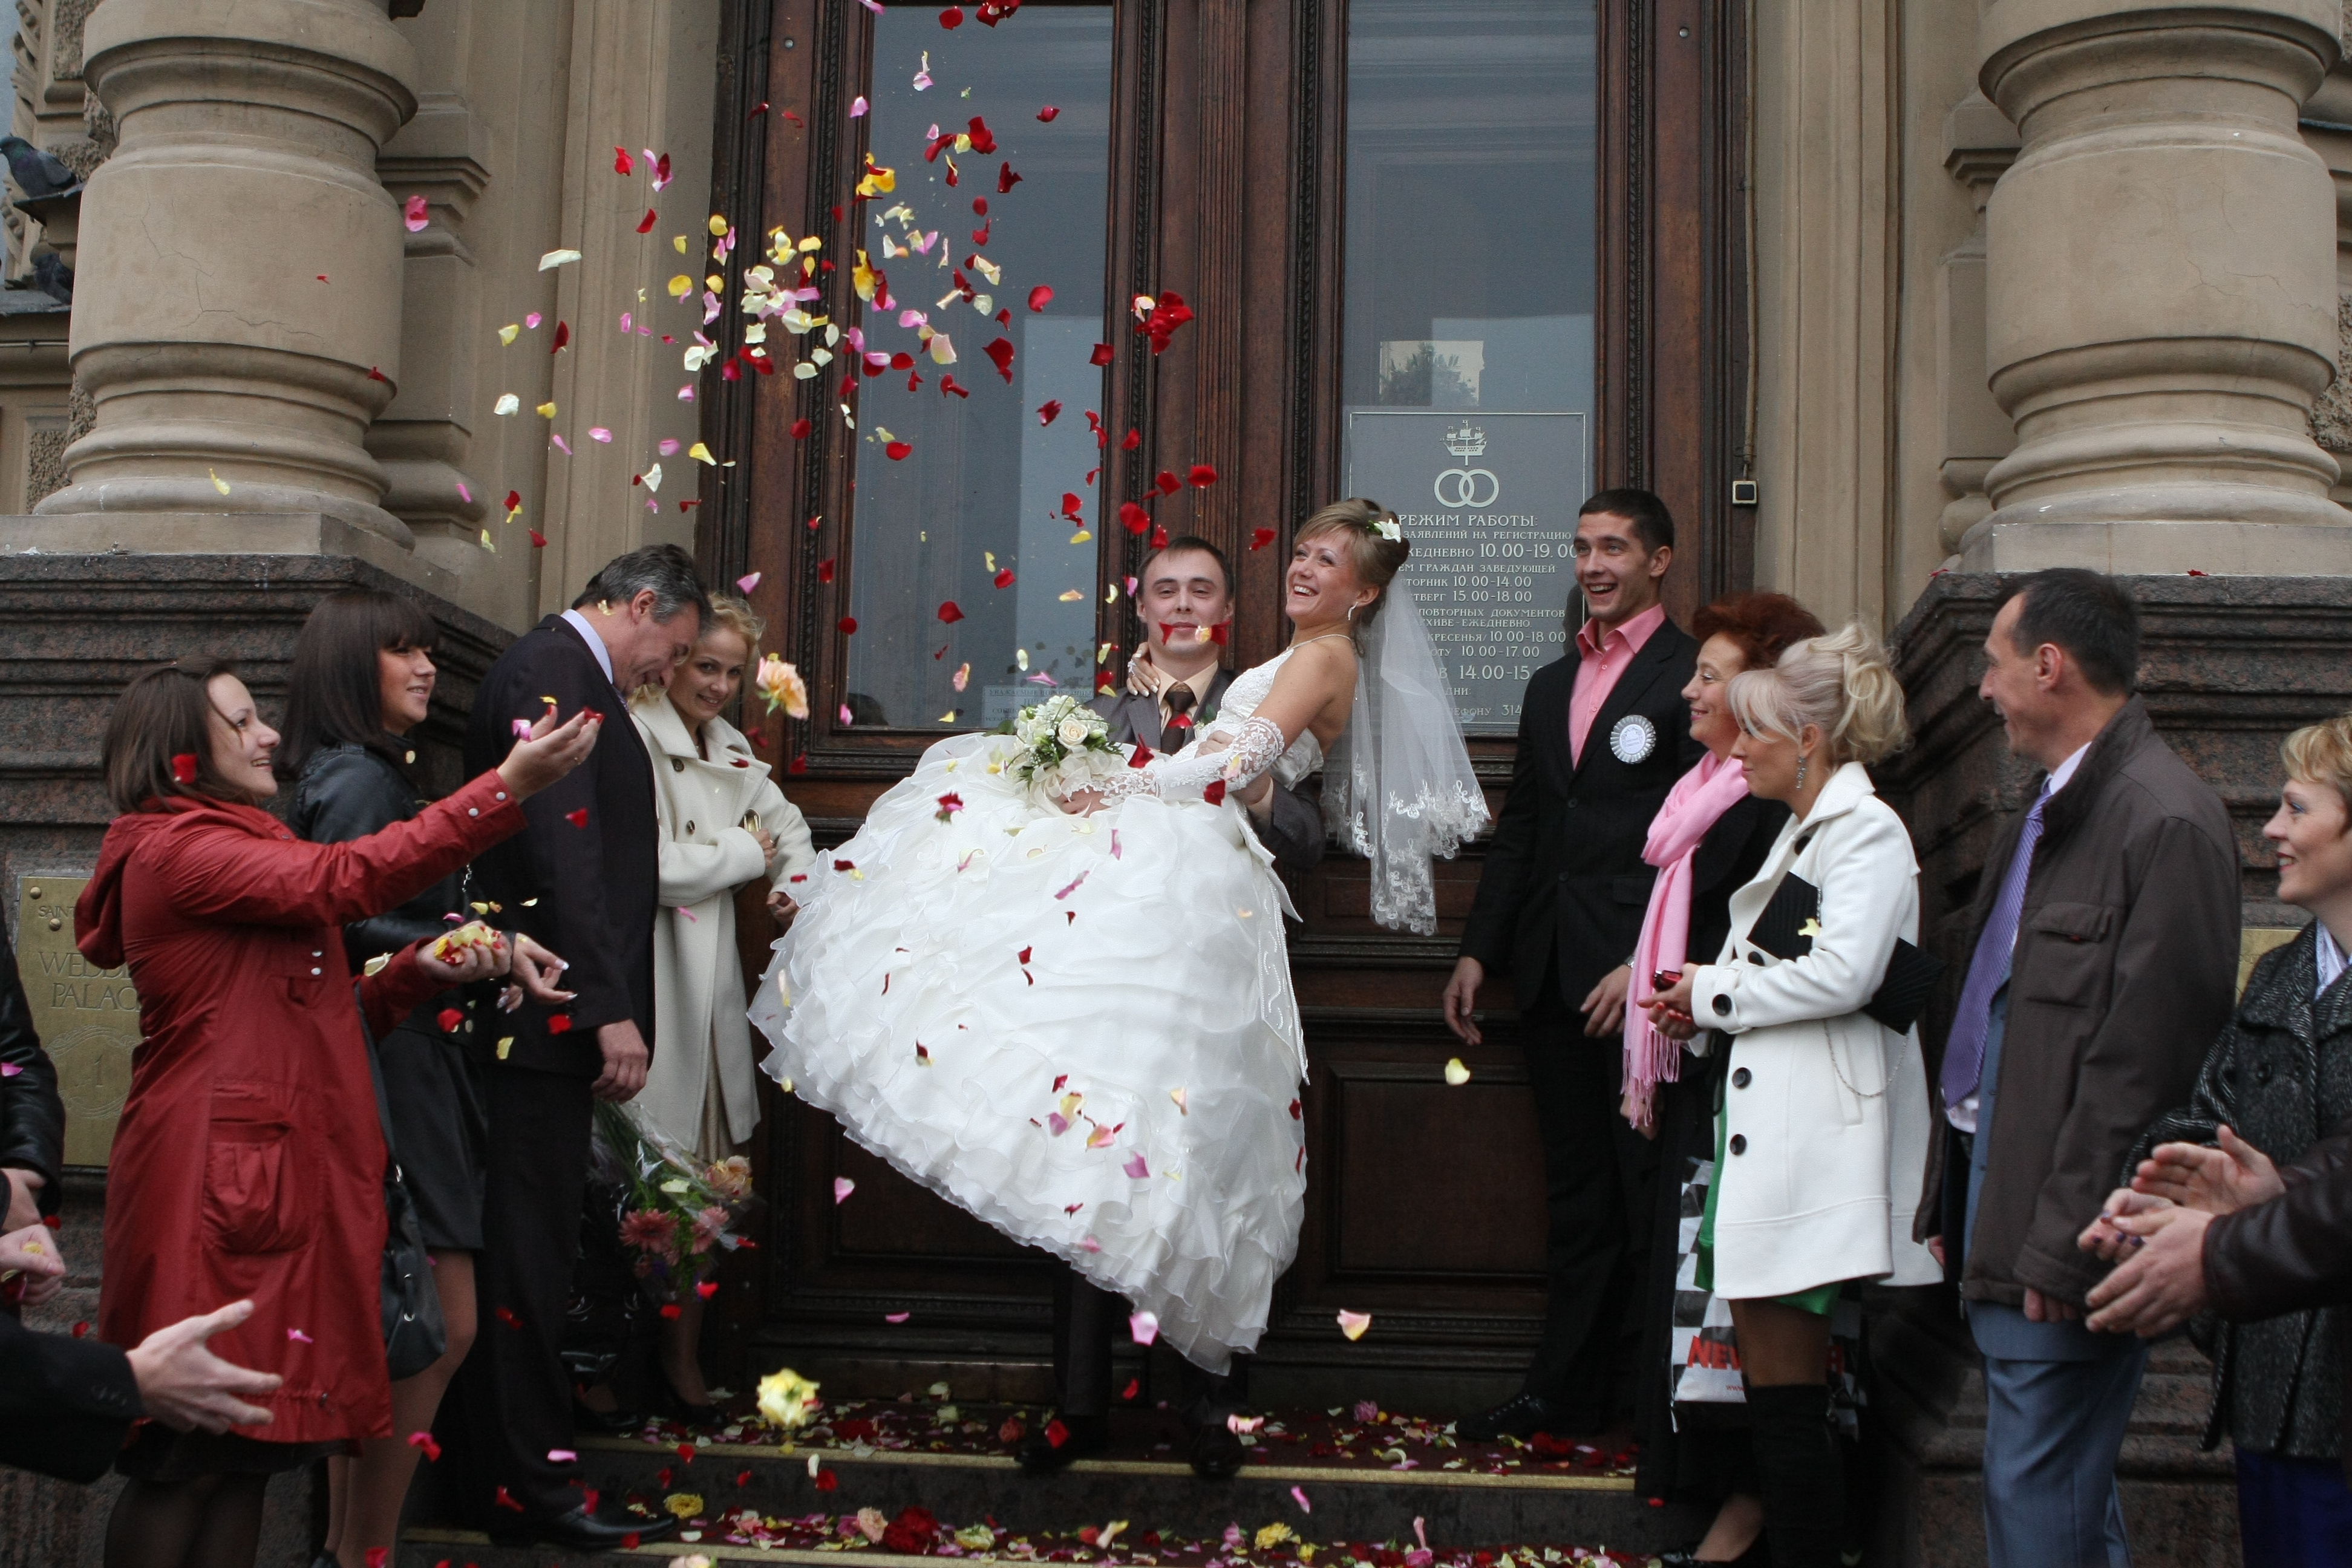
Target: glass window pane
x=1467, y=357
x=981, y=492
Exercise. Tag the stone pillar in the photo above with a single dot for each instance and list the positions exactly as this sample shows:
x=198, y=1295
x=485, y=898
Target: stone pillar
x=1978, y=147
x=2160, y=288
x=237, y=312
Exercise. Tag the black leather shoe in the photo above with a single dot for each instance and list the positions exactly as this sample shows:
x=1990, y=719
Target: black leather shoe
x=1216, y=1454
x=580, y=1529
x=1757, y=1555
x=619, y=1420
x=675, y=1405
x=1083, y=1437
x=1522, y=1416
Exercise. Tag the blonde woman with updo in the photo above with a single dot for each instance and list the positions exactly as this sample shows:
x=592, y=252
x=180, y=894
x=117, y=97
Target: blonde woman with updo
x=1822, y=1138
x=1054, y=989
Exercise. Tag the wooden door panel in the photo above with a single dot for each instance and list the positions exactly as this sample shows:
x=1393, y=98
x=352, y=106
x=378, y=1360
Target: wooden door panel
x=890, y=1221
x=1429, y=1180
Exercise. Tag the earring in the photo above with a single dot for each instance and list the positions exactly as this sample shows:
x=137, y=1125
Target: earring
x=1352, y=614
x=1801, y=772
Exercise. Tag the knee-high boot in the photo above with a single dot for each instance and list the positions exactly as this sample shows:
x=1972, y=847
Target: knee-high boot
x=1803, y=1482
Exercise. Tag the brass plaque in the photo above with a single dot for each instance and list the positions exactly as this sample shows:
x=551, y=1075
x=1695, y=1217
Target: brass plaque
x=88, y=1017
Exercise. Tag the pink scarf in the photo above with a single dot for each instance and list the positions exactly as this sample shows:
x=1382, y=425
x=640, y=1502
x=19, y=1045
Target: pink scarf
x=1698, y=798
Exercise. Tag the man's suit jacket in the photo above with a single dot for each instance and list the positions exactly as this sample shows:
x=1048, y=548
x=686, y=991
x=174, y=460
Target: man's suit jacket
x=1293, y=830
x=65, y=1404
x=1564, y=885
x=595, y=884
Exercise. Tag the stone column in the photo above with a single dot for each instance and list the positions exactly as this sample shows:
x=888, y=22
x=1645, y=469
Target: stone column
x=237, y=312
x=1978, y=147
x=2160, y=288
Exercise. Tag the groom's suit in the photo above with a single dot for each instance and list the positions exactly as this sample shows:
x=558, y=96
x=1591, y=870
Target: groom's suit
x=1559, y=904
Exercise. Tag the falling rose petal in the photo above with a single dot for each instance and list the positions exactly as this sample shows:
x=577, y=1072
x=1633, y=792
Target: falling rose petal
x=746, y=583
x=1000, y=354
x=1135, y=1168
x=1456, y=1073
x=1056, y=1124
x=9, y=1069
x=896, y=1317
x=598, y=433
x=532, y=321
x=1169, y=483
x=578, y=818
x=1131, y=440
x=842, y=1187
x=184, y=767
x=952, y=17
x=1004, y=579
x=800, y=429
x=1005, y=179
x=1143, y=1326
x=1102, y=355
x=1298, y=1496
x=963, y=677
x=1088, y=1244
x=558, y=1025
x=857, y=104
x=423, y=1442
x=645, y=224
x=560, y=1455
x=554, y=258
x=561, y=445
x=622, y=162
x=1133, y=517
x=847, y=718
x=1040, y=297
x=1202, y=476
x=1353, y=1324
x=413, y=213
x=1049, y=411
x=537, y=539
x=951, y=615
x=299, y=1337
x=1177, y=1095
x=899, y=451
x=1048, y=114
x=824, y=570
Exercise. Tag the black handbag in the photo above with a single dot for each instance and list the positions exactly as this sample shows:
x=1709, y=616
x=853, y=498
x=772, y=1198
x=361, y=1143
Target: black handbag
x=1785, y=930
x=414, y=1333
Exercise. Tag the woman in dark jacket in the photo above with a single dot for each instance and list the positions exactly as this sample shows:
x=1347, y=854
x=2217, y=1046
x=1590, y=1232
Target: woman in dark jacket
x=32, y=1121
x=1670, y=1094
x=2280, y=1078
x=363, y=680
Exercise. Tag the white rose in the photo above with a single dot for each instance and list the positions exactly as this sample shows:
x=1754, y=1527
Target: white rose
x=1073, y=733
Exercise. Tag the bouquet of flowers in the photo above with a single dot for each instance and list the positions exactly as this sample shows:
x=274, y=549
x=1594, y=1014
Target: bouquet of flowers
x=1066, y=745
x=677, y=1212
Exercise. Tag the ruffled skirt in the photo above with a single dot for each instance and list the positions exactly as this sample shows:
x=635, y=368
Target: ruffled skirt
x=1079, y=1030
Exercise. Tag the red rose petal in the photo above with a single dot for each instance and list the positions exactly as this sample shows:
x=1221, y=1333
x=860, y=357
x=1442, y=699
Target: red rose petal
x=800, y=428
x=824, y=570
x=577, y=818
x=848, y=625
x=671, y=1311
x=827, y=1481
x=902, y=360
x=951, y=17
x=1040, y=297
x=1159, y=537
x=1048, y=114
x=1004, y=577
x=645, y=224
x=1049, y=411
x=184, y=767
x=1260, y=538
x=949, y=612
x=1168, y=483
x=537, y=539
x=1000, y=354
x=1025, y=953
x=563, y=337
x=622, y=162
x=1133, y=517
x=449, y=1019
x=948, y=385
x=1132, y=439
x=506, y=1314
x=559, y=1024
x=1055, y=1433
x=1202, y=476
x=900, y=450
x=1005, y=179
x=1215, y=793
x=505, y=1500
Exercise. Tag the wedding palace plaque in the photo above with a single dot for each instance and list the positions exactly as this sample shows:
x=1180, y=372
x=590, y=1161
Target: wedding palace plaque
x=88, y=1017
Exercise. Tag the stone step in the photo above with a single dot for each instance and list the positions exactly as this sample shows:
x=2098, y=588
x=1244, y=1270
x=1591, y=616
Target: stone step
x=1461, y=1514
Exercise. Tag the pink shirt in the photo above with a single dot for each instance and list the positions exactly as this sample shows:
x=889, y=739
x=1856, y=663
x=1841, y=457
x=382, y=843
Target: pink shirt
x=1601, y=659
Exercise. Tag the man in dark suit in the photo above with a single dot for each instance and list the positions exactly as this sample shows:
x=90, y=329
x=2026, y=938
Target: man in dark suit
x=1603, y=735
x=1176, y=685
x=582, y=879
x=1178, y=682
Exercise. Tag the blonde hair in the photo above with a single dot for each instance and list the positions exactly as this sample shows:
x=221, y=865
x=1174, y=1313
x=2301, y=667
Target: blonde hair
x=730, y=613
x=1840, y=682
x=2321, y=753
x=1374, y=557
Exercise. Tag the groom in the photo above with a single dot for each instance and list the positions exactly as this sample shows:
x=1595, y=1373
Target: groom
x=1185, y=585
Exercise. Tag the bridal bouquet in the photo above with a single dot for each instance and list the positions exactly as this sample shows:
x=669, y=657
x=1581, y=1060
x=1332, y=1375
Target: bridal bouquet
x=1066, y=744
x=676, y=1211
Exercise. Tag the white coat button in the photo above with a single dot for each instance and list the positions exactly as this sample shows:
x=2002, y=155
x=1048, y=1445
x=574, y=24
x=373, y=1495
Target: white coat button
x=314, y=969
x=500, y=795
x=472, y=811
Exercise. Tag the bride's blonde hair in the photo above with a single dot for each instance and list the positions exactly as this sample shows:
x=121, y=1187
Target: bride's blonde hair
x=1374, y=557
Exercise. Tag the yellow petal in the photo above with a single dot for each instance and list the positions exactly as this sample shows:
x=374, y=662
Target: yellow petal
x=218, y=483
x=507, y=333
x=547, y=410
x=717, y=224
x=1456, y=1073
x=1178, y=1096
x=1073, y=596
x=1081, y=537
x=681, y=285
x=1353, y=1324
x=557, y=258
x=678, y=244
x=505, y=1045
x=700, y=453
x=486, y=542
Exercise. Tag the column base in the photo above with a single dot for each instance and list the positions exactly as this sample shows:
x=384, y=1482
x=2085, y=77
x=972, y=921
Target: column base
x=2007, y=540
x=225, y=533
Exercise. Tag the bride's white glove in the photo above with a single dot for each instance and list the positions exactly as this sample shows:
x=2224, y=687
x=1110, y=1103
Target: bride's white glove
x=1254, y=749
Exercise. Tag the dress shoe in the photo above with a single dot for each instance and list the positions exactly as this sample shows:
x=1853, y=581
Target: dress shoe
x=1757, y=1555
x=619, y=1419
x=1522, y=1416
x=675, y=1405
x=1083, y=1437
x=1216, y=1454
x=580, y=1529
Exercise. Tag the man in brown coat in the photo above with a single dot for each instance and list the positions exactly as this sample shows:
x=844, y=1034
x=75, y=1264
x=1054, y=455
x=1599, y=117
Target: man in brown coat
x=2104, y=954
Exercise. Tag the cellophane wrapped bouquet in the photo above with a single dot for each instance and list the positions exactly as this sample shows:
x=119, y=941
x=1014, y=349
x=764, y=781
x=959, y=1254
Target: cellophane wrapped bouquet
x=680, y=1214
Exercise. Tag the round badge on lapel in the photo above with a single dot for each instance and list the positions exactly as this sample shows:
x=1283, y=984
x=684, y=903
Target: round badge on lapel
x=1633, y=738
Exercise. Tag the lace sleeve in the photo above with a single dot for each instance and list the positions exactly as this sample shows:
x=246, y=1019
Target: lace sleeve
x=1255, y=748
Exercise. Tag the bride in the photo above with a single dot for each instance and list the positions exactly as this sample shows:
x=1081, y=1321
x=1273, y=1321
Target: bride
x=1067, y=1007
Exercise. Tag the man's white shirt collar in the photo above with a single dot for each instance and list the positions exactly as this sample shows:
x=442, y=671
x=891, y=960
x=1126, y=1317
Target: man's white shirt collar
x=587, y=629
x=2064, y=771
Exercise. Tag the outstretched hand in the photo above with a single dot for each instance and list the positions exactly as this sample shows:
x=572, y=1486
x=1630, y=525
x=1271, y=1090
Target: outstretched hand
x=184, y=1385
x=549, y=752
x=2215, y=1181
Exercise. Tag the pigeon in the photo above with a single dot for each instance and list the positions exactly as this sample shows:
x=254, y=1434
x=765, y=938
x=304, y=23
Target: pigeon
x=38, y=173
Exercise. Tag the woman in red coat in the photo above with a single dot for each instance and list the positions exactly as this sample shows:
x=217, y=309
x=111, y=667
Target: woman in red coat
x=249, y=1161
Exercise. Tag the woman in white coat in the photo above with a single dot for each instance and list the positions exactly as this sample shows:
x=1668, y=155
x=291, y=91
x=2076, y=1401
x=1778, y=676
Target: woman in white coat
x=724, y=824
x=1821, y=1140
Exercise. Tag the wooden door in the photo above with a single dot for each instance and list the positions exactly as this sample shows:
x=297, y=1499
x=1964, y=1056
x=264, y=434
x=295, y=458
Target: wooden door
x=1220, y=131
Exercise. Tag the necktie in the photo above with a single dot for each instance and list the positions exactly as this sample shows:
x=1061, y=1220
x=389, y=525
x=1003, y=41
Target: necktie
x=1964, y=1052
x=1179, y=698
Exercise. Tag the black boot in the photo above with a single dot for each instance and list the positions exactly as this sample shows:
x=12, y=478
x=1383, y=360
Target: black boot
x=1803, y=1482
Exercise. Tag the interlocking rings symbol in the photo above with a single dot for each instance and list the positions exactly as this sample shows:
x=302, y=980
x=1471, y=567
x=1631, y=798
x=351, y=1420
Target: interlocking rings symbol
x=1462, y=492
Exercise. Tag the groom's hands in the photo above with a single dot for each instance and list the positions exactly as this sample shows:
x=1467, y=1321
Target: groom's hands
x=1461, y=996
x=626, y=1059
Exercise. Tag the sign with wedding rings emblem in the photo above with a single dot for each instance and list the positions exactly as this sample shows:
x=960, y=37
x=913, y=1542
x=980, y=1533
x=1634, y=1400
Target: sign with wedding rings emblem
x=1488, y=502
x=88, y=1017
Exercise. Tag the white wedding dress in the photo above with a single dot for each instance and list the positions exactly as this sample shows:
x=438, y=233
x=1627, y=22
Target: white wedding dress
x=1079, y=1029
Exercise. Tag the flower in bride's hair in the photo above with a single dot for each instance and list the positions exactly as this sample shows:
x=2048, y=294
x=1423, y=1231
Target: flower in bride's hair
x=1386, y=527
x=781, y=685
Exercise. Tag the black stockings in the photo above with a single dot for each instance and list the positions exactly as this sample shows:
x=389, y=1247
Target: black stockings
x=212, y=1521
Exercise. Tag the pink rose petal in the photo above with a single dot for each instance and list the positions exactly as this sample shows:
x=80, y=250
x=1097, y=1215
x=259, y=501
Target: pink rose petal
x=896, y=1317
x=532, y=319
x=746, y=583
x=598, y=433
x=560, y=1455
x=842, y=1187
x=1144, y=1326
x=1136, y=1167
x=1298, y=1496
x=300, y=1338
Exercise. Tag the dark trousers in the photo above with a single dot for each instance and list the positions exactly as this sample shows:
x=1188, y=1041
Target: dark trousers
x=1086, y=1317
x=1601, y=1184
x=511, y=1400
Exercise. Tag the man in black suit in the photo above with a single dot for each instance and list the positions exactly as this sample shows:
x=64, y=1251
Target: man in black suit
x=1186, y=588
x=582, y=879
x=1603, y=735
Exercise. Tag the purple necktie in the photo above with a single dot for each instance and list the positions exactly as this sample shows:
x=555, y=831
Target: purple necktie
x=1964, y=1050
